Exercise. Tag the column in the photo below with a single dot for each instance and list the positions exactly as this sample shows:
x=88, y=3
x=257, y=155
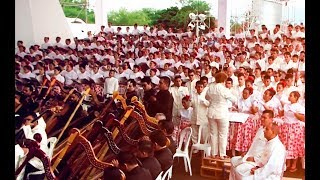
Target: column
x=224, y=16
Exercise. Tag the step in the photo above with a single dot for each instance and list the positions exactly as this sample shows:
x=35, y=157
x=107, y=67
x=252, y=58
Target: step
x=215, y=169
x=213, y=173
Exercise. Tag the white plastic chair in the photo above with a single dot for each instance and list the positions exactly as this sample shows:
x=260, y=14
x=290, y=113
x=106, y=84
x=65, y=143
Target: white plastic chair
x=206, y=147
x=159, y=177
x=51, y=142
x=168, y=174
x=185, y=134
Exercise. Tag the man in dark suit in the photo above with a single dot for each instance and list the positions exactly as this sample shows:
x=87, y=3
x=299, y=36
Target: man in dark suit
x=149, y=92
x=167, y=127
x=163, y=100
x=161, y=151
x=145, y=154
x=128, y=163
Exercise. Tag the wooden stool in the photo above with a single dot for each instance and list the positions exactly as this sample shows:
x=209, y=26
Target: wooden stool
x=215, y=168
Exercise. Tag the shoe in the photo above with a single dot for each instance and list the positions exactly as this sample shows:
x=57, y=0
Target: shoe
x=195, y=151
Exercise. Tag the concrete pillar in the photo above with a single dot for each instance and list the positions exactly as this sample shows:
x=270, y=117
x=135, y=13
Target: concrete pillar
x=100, y=13
x=224, y=16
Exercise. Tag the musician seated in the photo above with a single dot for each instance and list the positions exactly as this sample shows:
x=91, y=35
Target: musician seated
x=129, y=164
x=64, y=115
x=145, y=154
x=161, y=151
x=27, y=99
x=167, y=127
x=34, y=164
x=28, y=128
x=113, y=173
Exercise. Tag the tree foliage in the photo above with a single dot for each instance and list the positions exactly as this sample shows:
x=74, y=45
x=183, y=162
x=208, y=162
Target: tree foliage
x=171, y=17
x=76, y=9
x=123, y=17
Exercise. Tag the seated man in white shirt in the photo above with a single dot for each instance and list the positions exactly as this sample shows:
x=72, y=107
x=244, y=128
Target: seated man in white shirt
x=267, y=163
x=30, y=129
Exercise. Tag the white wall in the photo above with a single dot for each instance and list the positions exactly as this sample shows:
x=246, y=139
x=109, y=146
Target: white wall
x=35, y=19
x=269, y=12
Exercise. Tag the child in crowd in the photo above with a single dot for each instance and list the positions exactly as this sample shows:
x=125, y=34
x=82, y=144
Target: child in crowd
x=185, y=117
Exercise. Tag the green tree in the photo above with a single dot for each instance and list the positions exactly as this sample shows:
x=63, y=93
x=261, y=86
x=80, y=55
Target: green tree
x=153, y=15
x=123, y=17
x=77, y=9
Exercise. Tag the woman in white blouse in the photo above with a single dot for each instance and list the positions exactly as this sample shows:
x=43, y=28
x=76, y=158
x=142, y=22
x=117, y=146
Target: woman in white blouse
x=280, y=95
x=218, y=111
x=293, y=130
x=267, y=102
x=245, y=102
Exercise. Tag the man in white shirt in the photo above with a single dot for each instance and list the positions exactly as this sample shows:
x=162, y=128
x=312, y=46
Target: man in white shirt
x=46, y=43
x=166, y=71
x=111, y=84
x=30, y=129
x=69, y=74
x=241, y=84
x=266, y=164
x=230, y=73
x=154, y=78
x=109, y=29
x=27, y=73
x=258, y=144
x=178, y=92
x=266, y=84
x=191, y=84
x=287, y=64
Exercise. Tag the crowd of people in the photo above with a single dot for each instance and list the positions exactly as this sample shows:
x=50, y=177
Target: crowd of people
x=184, y=79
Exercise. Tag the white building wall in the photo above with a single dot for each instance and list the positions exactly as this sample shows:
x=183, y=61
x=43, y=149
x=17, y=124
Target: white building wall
x=35, y=19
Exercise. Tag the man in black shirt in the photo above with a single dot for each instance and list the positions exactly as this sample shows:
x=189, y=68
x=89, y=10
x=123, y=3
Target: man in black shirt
x=163, y=100
x=167, y=127
x=161, y=151
x=149, y=92
x=148, y=161
x=128, y=163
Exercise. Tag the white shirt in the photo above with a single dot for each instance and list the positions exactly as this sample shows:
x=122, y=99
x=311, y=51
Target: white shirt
x=110, y=85
x=285, y=66
x=155, y=80
x=84, y=75
x=135, y=75
x=96, y=76
x=59, y=78
x=167, y=73
x=69, y=76
x=200, y=108
x=288, y=90
x=271, y=162
x=273, y=104
x=178, y=93
x=29, y=133
x=290, y=109
x=186, y=114
x=27, y=75
x=244, y=105
x=218, y=96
